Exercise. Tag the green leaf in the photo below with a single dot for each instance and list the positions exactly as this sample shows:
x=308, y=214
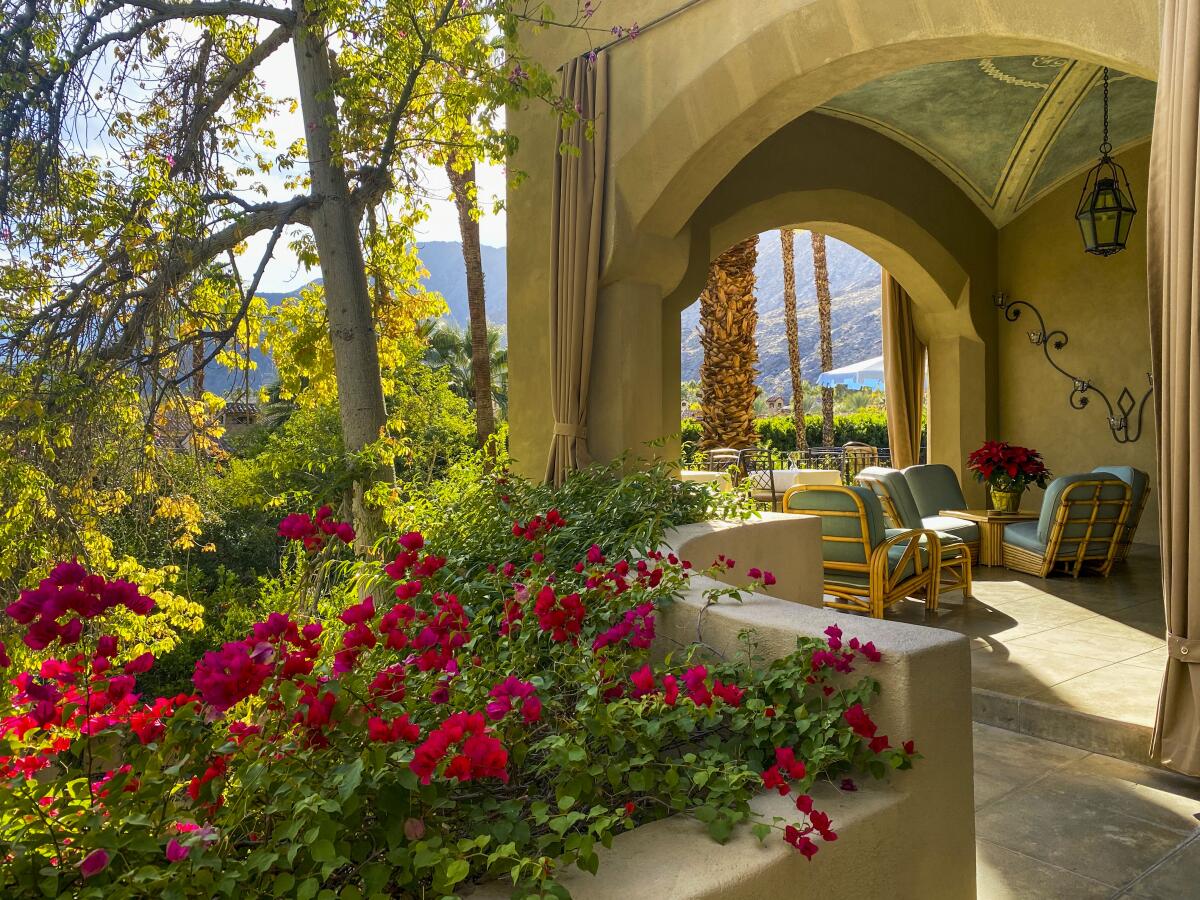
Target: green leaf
x=456, y=871
x=322, y=851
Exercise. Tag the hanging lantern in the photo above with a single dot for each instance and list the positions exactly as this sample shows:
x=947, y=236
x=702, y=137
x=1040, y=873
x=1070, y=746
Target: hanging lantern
x=1106, y=208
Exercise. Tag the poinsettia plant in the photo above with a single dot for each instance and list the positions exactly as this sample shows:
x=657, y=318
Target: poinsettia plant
x=1007, y=467
x=433, y=726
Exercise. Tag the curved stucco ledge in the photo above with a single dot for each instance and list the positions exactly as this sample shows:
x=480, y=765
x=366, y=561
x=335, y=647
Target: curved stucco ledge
x=912, y=836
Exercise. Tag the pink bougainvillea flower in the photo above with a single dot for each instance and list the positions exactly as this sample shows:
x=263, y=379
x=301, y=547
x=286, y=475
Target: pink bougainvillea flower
x=848, y=785
x=177, y=852
x=94, y=863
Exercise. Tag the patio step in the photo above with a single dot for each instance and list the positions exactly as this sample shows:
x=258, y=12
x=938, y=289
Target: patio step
x=1110, y=737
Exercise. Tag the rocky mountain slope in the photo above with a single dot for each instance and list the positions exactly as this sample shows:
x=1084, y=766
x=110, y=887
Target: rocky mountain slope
x=854, y=284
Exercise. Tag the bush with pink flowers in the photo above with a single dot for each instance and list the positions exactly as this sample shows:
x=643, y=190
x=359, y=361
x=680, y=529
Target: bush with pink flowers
x=448, y=721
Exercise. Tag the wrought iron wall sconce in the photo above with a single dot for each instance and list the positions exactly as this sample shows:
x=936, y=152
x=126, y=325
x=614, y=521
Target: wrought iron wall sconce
x=1126, y=427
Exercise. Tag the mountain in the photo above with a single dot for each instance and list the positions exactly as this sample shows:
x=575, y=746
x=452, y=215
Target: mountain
x=447, y=276
x=857, y=331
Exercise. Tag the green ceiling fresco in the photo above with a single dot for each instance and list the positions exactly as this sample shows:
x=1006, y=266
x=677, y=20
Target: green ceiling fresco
x=1131, y=115
x=1007, y=129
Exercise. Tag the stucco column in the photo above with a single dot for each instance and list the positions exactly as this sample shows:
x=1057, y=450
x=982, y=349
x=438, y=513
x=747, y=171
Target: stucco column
x=957, y=406
x=628, y=371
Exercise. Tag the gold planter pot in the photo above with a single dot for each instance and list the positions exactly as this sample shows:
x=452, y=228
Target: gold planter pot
x=1006, y=501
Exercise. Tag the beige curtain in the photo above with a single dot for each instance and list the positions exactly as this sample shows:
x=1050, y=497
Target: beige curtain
x=903, y=374
x=578, y=207
x=1173, y=224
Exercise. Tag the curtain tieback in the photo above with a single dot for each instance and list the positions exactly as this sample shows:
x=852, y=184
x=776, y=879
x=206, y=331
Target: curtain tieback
x=1183, y=649
x=568, y=430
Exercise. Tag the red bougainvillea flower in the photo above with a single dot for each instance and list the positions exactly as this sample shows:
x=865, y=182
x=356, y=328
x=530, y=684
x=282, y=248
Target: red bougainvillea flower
x=481, y=756
x=512, y=689
x=800, y=841
x=643, y=682
x=398, y=729
x=227, y=676
x=561, y=616
x=909, y=747
x=94, y=863
x=848, y=785
x=670, y=690
x=859, y=721
x=804, y=803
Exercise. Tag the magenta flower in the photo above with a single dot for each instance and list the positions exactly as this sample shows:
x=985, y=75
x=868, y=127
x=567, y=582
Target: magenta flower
x=94, y=863
x=177, y=852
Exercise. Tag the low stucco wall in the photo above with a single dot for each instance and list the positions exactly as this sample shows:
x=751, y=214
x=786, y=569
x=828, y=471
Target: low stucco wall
x=788, y=546
x=912, y=836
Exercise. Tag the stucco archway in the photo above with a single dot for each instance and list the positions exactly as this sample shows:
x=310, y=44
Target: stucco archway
x=714, y=83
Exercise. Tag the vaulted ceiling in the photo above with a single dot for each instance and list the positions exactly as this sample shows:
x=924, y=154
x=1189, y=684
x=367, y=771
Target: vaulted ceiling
x=1006, y=129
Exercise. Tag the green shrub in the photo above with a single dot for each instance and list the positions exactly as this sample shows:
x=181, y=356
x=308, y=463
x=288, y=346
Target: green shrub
x=778, y=433
x=501, y=723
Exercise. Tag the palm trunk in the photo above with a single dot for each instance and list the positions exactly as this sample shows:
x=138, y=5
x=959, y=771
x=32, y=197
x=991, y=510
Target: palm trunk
x=792, y=328
x=825, y=314
x=463, y=185
x=727, y=321
x=343, y=269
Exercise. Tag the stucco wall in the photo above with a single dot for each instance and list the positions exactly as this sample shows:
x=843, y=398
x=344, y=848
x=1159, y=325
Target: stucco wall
x=1101, y=304
x=691, y=99
x=910, y=837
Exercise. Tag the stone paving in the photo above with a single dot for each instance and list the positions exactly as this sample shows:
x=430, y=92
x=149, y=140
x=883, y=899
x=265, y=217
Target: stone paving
x=1057, y=822
x=1078, y=661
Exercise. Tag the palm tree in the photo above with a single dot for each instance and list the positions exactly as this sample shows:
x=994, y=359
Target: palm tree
x=451, y=349
x=728, y=317
x=825, y=314
x=462, y=183
x=791, y=327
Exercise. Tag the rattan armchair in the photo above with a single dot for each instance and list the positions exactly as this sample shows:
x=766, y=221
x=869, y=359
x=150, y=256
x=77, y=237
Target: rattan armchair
x=1081, y=525
x=865, y=569
x=1139, y=487
x=958, y=549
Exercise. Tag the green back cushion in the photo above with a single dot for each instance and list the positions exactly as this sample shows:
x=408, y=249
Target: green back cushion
x=934, y=487
x=896, y=485
x=1139, y=483
x=1114, y=490
x=816, y=500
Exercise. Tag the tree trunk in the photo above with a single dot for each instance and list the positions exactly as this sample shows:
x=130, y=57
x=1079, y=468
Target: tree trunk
x=197, y=369
x=463, y=185
x=728, y=317
x=825, y=314
x=791, y=327
x=343, y=269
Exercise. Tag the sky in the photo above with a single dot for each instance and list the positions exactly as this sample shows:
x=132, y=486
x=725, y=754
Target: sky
x=284, y=273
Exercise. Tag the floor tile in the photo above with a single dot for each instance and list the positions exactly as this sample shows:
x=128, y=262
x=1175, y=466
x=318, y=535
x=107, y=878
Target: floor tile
x=1002, y=874
x=1155, y=659
x=1108, y=641
x=1023, y=671
x=1175, y=877
x=1073, y=824
x=1006, y=760
x=1116, y=691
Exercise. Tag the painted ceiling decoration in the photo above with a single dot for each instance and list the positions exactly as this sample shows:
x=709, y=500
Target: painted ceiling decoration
x=1006, y=129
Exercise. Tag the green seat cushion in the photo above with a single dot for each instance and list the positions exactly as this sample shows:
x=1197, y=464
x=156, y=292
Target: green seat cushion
x=1025, y=536
x=944, y=536
x=934, y=487
x=962, y=529
x=896, y=485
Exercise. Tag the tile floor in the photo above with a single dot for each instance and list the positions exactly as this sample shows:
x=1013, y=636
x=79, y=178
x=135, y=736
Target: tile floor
x=1053, y=821
x=1090, y=645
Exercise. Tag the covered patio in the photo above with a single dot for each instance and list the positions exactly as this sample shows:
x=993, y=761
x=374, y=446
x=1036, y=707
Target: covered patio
x=951, y=143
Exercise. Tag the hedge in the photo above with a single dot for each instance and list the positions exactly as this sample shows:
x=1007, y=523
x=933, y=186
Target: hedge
x=779, y=432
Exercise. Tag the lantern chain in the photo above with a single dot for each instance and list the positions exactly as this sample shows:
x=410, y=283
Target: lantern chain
x=1105, y=147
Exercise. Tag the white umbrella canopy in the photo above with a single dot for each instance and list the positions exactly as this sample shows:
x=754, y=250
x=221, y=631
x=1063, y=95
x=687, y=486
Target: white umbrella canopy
x=865, y=374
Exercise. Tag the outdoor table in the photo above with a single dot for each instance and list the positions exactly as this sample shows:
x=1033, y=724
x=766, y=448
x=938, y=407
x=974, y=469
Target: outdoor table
x=991, y=530
x=720, y=480
x=786, y=478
